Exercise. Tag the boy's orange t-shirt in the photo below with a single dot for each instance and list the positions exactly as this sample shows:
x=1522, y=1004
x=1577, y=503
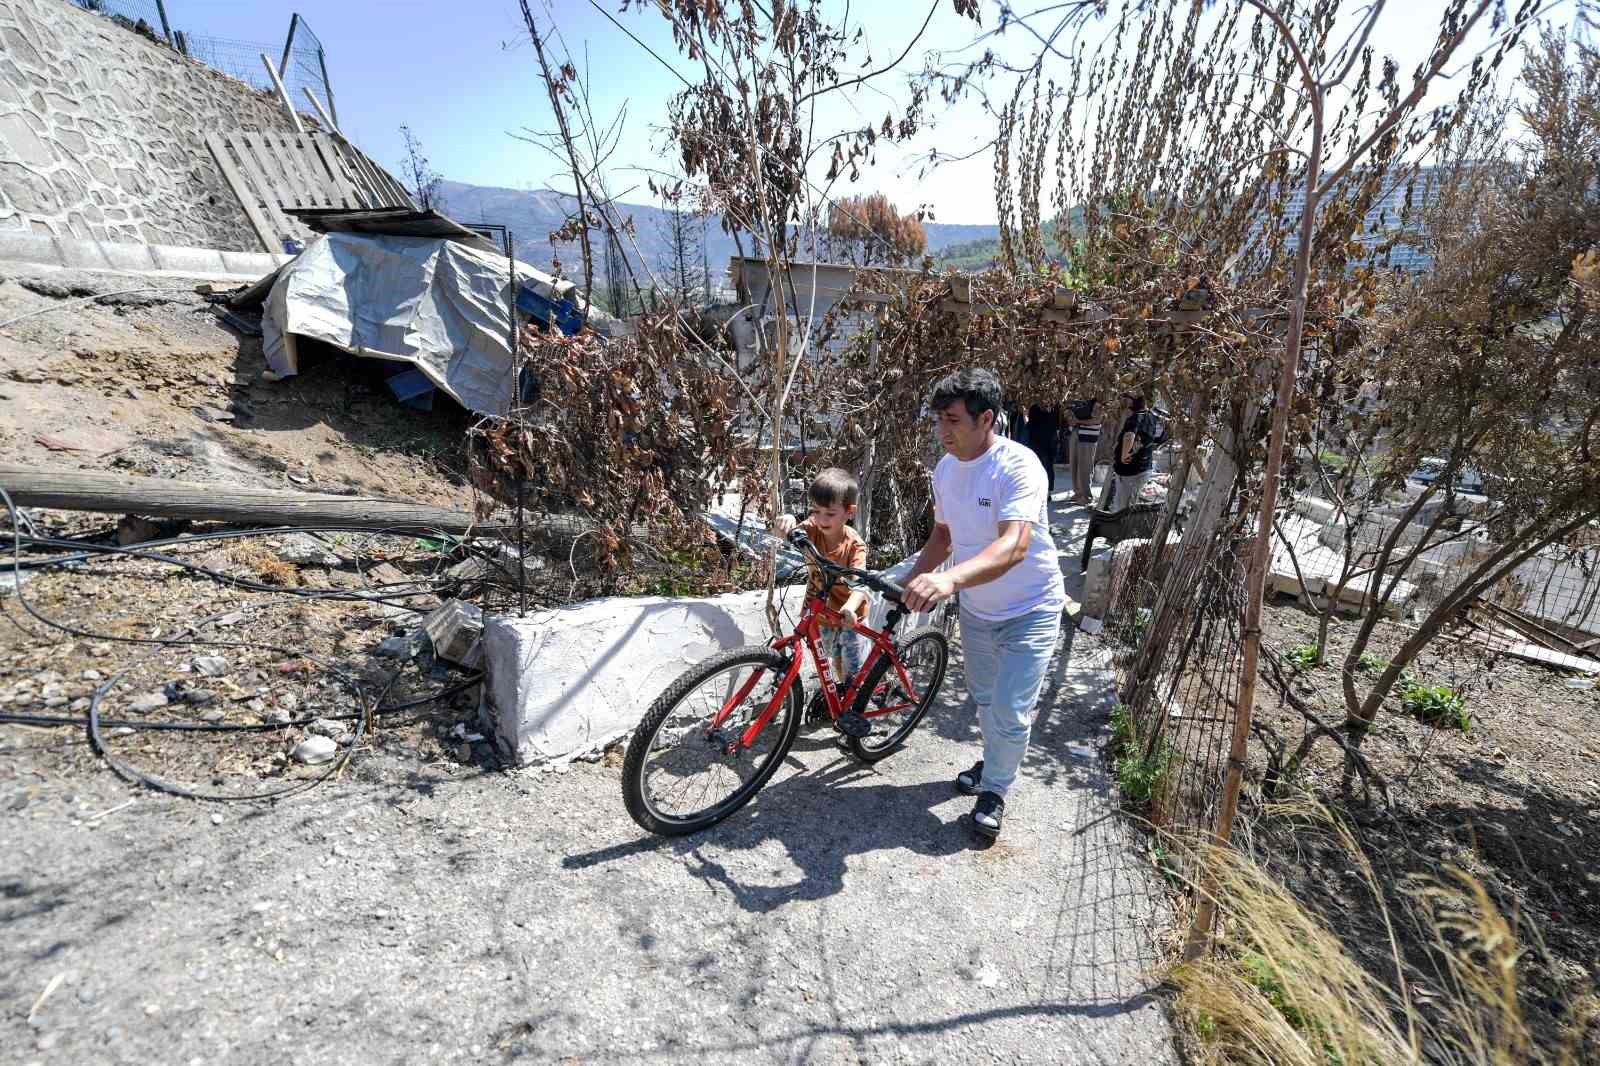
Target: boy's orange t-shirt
x=850, y=550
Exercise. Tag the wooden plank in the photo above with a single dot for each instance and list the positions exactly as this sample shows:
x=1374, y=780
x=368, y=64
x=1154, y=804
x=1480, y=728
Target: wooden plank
x=325, y=153
x=241, y=189
x=264, y=189
x=402, y=196
x=297, y=185
x=272, y=168
x=313, y=185
x=369, y=194
x=79, y=490
x=390, y=192
x=380, y=189
x=332, y=150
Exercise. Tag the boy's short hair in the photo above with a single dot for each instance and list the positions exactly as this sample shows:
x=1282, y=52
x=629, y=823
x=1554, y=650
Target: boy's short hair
x=834, y=487
x=977, y=388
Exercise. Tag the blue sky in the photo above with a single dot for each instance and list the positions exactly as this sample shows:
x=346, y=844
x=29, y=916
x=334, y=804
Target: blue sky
x=463, y=76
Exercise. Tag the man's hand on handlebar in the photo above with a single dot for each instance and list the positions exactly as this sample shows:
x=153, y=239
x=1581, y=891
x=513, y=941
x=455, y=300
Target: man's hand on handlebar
x=926, y=590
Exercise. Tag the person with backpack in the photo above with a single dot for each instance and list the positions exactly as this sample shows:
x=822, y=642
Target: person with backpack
x=1134, y=459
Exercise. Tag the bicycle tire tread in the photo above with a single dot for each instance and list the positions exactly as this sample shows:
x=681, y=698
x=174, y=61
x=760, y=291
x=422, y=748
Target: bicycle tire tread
x=644, y=734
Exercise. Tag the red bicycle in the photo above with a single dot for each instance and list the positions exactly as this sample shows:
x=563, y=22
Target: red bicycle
x=719, y=732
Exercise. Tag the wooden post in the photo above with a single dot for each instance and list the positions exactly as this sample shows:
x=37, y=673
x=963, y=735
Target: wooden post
x=1261, y=556
x=321, y=113
x=79, y=490
x=283, y=95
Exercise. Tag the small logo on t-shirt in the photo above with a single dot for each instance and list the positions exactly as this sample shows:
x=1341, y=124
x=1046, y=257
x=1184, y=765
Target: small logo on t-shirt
x=984, y=501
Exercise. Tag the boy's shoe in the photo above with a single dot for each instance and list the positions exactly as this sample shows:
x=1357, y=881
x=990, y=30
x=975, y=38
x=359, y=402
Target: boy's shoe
x=967, y=781
x=987, y=813
x=853, y=725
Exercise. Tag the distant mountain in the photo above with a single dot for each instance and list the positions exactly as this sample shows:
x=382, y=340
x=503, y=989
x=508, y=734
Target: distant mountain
x=532, y=216
x=984, y=253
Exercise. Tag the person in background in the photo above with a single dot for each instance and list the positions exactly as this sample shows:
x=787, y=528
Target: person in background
x=1085, y=430
x=1044, y=427
x=1135, y=455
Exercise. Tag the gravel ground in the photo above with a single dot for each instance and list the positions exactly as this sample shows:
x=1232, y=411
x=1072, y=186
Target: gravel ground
x=417, y=909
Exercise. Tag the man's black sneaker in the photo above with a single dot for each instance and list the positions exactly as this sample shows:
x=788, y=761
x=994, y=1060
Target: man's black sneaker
x=987, y=813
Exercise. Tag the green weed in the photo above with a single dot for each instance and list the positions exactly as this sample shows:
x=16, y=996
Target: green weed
x=1302, y=655
x=1438, y=705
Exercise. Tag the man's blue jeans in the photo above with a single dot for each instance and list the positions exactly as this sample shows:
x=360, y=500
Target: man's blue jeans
x=1006, y=664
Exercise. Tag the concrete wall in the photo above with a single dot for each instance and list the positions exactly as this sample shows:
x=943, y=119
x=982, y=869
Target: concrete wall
x=569, y=681
x=102, y=133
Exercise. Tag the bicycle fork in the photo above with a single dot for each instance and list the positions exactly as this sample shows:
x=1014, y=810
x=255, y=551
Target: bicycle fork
x=753, y=730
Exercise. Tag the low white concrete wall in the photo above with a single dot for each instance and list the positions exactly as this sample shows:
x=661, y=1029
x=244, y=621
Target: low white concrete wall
x=569, y=681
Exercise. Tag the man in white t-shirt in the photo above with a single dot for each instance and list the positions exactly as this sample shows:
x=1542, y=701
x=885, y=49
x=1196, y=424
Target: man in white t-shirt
x=991, y=520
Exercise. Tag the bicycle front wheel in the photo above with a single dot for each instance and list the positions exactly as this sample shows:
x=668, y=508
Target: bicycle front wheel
x=681, y=775
x=884, y=702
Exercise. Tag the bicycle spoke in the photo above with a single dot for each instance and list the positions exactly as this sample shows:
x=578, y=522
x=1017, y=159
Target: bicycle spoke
x=691, y=767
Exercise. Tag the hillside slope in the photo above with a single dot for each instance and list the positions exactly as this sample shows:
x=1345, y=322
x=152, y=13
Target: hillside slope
x=532, y=216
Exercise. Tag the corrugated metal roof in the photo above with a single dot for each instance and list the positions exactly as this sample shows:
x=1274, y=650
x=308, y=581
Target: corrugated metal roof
x=391, y=221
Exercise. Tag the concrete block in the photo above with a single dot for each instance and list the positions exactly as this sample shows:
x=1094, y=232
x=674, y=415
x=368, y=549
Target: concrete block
x=258, y=263
x=1356, y=594
x=81, y=254
x=22, y=247
x=1319, y=511
x=128, y=256
x=202, y=262
x=1097, y=583
x=456, y=629
x=564, y=682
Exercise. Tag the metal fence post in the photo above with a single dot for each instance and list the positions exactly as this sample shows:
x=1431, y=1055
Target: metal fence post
x=166, y=27
x=288, y=43
x=327, y=86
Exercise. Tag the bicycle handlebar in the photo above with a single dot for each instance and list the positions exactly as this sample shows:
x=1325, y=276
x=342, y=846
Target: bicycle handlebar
x=876, y=582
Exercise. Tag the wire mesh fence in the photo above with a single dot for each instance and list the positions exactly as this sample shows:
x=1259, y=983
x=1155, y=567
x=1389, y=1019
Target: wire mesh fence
x=148, y=17
x=1175, y=615
x=301, y=62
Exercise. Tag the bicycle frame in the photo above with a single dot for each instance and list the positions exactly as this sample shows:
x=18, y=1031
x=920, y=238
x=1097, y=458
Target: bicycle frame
x=805, y=637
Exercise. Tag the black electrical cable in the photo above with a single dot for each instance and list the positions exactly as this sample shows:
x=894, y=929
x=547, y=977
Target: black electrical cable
x=229, y=579
x=158, y=726
x=195, y=538
x=92, y=720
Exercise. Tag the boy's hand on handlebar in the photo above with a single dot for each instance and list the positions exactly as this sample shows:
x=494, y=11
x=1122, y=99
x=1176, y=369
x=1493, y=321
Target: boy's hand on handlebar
x=925, y=590
x=784, y=525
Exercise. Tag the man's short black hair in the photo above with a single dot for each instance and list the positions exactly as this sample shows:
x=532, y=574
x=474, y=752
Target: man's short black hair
x=834, y=487
x=978, y=389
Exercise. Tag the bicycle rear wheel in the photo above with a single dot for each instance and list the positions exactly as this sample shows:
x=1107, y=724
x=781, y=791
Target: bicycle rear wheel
x=892, y=712
x=680, y=775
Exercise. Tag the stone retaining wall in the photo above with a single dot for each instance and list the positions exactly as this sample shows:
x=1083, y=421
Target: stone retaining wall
x=102, y=133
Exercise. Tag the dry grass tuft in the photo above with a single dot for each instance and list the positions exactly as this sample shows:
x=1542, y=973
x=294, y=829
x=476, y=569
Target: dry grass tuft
x=1281, y=990
x=257, y=559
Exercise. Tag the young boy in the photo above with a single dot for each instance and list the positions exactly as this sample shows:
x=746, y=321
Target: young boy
x=833, y=494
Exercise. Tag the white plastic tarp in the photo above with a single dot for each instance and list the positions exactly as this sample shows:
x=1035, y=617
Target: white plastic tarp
x=436, y=304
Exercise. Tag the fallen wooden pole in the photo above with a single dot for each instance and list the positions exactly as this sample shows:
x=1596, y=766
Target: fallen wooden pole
x=82, y=490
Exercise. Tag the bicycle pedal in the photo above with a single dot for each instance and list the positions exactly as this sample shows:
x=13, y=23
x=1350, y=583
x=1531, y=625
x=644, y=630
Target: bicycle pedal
x=853, y=725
